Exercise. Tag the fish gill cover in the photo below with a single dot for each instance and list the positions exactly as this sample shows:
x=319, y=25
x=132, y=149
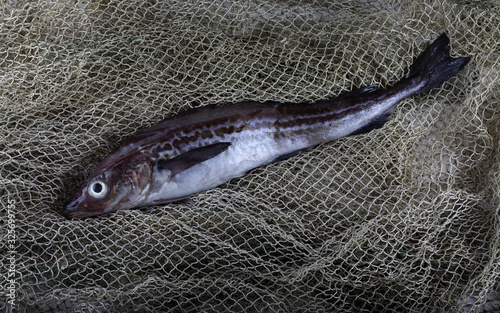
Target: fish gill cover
x=403, y=219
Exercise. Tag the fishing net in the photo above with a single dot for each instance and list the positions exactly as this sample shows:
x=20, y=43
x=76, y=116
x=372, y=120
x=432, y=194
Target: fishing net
x=402, y=219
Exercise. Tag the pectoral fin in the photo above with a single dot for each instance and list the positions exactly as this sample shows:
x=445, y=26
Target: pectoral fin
x=188, y=159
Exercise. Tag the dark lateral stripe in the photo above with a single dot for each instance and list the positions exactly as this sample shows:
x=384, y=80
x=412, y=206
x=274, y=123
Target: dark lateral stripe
x=187, y=137
x=276, y=118
x=320, y=117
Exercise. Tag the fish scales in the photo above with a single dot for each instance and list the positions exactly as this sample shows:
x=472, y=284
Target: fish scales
x=202, y=148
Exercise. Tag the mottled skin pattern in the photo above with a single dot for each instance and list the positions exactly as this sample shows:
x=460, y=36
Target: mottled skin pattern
x=205, y=147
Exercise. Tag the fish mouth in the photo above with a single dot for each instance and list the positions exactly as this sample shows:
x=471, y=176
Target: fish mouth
x=74, y=210
x=75, y=214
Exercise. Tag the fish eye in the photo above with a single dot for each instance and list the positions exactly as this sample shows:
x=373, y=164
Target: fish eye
x=98, y=189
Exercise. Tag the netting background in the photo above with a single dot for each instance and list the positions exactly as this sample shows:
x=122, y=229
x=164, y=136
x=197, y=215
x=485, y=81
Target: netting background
x=405, y=218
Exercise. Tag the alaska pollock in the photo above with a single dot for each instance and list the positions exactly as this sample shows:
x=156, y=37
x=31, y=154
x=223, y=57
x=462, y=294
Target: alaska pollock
x=205, y=147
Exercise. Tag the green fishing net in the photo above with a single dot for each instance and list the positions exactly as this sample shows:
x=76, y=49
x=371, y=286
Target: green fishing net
x=402, y=219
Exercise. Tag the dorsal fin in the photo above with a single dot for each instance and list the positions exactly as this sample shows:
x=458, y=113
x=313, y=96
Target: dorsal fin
x=188, y=159
x=360, y=92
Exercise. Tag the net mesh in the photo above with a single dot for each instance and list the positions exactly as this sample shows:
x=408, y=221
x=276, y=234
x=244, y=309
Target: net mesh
x=405, y=218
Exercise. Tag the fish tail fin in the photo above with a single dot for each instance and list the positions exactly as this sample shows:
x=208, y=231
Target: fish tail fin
x=435, y=65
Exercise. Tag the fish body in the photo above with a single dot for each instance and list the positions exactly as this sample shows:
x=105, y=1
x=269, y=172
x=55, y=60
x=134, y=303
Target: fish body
x=205, y=147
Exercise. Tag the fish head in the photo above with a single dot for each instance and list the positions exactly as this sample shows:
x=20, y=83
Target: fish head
x=114, y=185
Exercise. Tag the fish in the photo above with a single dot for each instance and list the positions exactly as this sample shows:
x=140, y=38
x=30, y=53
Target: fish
x=204, y=147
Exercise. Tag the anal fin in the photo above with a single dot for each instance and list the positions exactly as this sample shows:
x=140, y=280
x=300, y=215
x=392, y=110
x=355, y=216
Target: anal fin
x=374, y=124
x=287, y=155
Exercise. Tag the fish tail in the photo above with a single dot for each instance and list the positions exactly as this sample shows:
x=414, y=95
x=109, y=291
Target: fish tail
x=435, y=65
